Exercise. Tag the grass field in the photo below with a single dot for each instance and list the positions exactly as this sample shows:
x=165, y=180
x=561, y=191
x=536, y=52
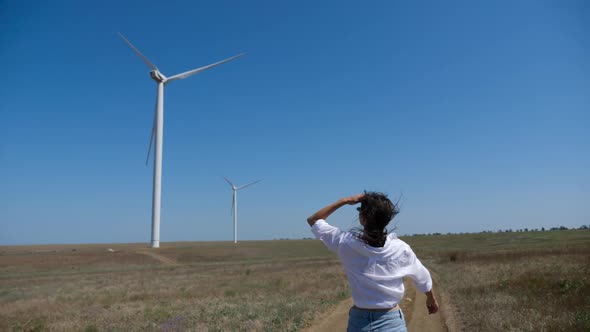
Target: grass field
x=268, y=285
x=534, y=281
x=508, y=281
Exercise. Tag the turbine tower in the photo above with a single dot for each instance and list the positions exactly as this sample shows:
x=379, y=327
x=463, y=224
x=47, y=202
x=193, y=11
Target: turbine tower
x=235, y=204
x=158, y=131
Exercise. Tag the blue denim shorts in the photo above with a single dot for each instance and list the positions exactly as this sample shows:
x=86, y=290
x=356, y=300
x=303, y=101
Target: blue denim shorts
x=372, y=321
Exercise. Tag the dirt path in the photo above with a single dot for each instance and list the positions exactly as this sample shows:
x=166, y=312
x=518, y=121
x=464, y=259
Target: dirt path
x=421, y=320
x=162, y=259
x=417, y=321
x=335, y=320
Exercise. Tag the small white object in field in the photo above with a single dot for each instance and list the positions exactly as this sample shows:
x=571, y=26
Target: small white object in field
x=408, y=299
x=110, y=250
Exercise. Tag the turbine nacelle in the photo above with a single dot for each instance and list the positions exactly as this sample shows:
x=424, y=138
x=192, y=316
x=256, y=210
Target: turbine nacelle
x=158, y=76
x=236, y=188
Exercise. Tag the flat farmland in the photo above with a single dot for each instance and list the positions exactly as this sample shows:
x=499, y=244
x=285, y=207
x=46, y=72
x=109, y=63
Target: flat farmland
x=518, y=281
x=533, y=281
x=266, y=285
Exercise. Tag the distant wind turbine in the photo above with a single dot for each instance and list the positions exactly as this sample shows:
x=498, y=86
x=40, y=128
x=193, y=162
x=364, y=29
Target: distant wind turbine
x=235, y=204
x=158, y=131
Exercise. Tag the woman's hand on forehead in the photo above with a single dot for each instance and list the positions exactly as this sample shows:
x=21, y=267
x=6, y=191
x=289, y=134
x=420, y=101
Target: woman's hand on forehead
x=355, y=199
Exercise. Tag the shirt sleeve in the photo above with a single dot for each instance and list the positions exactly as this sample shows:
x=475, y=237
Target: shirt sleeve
x=330, y=235
x=419, y=273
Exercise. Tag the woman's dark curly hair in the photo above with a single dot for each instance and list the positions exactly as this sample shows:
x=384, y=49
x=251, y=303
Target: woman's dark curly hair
x=377, y=211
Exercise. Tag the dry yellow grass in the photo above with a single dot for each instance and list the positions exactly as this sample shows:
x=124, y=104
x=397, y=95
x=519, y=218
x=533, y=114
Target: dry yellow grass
x=258, y=286
x=510, y=281
x=513, y=281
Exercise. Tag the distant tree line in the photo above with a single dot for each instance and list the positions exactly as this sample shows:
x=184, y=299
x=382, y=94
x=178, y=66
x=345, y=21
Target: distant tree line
x=510, y=230
x=560, y=228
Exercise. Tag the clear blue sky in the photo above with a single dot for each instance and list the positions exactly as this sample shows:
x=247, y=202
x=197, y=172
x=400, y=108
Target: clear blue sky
x=479, y=113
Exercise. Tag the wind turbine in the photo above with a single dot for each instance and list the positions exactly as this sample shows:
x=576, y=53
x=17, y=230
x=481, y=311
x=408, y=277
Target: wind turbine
x=158, y=131
x=235, y=204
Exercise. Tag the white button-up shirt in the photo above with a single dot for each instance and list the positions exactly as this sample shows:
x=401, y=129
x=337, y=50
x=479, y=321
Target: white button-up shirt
x=375, y=274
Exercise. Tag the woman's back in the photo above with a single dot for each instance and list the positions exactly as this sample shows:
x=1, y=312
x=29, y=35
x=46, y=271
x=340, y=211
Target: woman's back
x=375, y=274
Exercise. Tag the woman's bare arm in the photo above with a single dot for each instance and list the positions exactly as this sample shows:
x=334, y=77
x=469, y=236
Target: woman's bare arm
x=326, y=211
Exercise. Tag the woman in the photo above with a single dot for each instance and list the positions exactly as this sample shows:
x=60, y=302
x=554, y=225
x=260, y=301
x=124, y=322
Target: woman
x=375, y=263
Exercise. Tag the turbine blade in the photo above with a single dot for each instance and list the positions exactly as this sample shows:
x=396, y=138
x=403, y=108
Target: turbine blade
x=228, y=181
x=233, y=204
x=198, y=70
x=153, y=132
x=249, y=184
x=143, y=58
